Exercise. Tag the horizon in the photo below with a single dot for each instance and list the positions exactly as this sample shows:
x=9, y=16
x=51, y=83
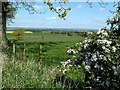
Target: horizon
x=52, y=28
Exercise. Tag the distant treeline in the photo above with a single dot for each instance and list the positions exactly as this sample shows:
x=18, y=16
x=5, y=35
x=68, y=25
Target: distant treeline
x=71, y=33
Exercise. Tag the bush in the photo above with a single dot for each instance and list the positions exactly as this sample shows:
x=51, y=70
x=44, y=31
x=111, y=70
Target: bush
x=98, y=58
x=18, y=33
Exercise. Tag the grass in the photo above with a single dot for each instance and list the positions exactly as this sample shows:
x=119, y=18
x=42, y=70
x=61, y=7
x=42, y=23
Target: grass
x=25, y=72
x=54, y=46
x=29, y=74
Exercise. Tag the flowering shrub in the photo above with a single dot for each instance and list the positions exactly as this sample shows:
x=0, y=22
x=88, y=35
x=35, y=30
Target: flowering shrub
x=98, y=58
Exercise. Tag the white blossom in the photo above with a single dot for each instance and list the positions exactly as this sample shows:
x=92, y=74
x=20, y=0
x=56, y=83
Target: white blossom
x=107, y=50
x=94, y=57
x=77, y=44
x=102, y=32
x=64, y=71
x=114, y=49
x=89, y=32
x=87, y=67
x=68, y=60
x=101, y=56
x=103, y=47
x=103, y=42
x=86, y=45
x=97, y=66
x=71, y=51
x=113, y=67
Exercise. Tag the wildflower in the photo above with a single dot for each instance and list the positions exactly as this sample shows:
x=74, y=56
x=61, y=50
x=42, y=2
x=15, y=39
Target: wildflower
x=114, y=48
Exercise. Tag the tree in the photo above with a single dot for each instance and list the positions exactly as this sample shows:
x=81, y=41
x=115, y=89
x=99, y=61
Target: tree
x=18, y=33
x=98, y=57
x=114, y=22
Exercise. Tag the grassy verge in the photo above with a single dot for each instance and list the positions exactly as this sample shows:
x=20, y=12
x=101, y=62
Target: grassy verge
x=27, y=74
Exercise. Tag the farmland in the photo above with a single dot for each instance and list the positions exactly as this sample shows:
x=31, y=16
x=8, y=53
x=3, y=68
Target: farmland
x=54, y=46
x=24, y=70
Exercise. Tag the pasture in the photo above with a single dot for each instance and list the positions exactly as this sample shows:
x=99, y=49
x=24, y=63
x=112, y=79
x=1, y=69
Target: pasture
x=22, y=70
x=54, y=46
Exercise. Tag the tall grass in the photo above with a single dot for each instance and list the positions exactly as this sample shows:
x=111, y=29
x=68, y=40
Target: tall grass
x=28, y=74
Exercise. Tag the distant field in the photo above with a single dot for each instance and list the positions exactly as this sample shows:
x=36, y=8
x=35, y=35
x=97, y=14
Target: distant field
x=54, y=45
x=10, y=32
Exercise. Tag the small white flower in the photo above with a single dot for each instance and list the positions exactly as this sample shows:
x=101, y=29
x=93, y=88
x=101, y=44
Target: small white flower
x=69, y=60
x=98, y=78
x=94, y=57
x=71, y=51
x=105, y=33
x=103, y=47
x=64, y=71
x=87, y=67
x=96, y=66
x=107, y=50
x=101, y=68
x=85, y=46
x=77, y=44
x=113, y=67
x=114, y=49
x=101, y=56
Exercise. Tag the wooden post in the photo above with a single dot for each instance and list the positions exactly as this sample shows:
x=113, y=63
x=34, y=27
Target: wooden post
x=13, y=51
x=40, y=54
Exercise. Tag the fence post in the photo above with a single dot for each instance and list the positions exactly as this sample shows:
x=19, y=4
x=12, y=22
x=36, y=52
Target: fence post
x=13, y=51
x=40, y=55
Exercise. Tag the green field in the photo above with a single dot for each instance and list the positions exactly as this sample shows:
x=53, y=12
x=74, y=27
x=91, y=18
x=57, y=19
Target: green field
x=22, y=70
x=54, y=46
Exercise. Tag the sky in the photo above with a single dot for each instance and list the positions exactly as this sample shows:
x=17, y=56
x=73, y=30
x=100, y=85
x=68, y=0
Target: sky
x=80, y=16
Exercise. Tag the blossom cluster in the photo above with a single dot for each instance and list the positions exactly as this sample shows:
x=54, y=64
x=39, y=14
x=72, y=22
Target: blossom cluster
x=66, y=66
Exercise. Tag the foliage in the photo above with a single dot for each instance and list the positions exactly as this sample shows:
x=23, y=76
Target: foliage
x=9, y=11
x=98, y=57
x=27, y=74
x=18, y=33
x=62, y=11
x=114, y=22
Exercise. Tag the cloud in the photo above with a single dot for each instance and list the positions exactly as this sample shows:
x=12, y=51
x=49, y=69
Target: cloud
x=100, y=20
x=38, y=7
x=51, y=18
x=79, y=6
x=102, y=9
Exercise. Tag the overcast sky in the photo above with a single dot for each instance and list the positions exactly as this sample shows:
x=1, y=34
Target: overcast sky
x=81, y=16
